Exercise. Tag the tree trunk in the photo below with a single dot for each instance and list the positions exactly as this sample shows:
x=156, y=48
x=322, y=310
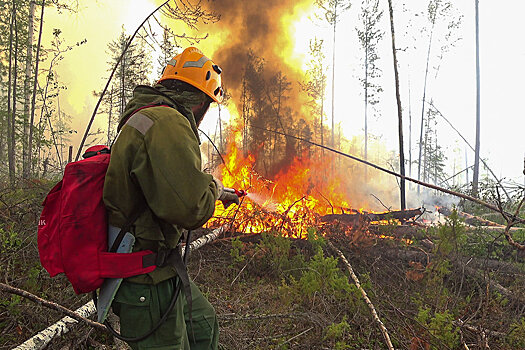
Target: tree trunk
x=27, y=92
x=424, y=96
x=436, y=155
x=333, y=76
x=122, y=82
x=399, y=111
x=409, y=129
x=12, y=156
x=366, y=104
x=477, y=146
x=469, y=218
x=426, y=152
x=33, y=102
x=467, y=167
x=9, y=90
x=321, y=118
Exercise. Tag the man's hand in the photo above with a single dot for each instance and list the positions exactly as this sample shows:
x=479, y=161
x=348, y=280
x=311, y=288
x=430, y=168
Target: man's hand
x=226, y=195
x=228, y=198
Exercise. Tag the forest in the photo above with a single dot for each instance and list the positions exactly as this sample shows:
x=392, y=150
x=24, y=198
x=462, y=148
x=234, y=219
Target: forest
x=378, y=214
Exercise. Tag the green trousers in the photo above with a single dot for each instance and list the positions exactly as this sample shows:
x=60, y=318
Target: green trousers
x=141, y=306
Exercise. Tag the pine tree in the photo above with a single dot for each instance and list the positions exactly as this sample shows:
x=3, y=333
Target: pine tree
x=315, y=86
x=399, y=109
x=439, y=13
x=475, y=178
x=27, y=90
x=167, y=51
x=369, y=36
x=133, y=70
x=433, y=166
x=332, y=12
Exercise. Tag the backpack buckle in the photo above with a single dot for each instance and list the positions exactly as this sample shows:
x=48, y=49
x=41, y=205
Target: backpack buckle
x=162, y=257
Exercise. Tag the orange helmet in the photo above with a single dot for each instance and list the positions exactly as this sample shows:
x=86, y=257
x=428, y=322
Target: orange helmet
x=192, y=67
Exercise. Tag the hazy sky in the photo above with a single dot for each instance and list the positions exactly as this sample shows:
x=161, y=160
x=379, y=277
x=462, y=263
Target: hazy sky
x=453, y=91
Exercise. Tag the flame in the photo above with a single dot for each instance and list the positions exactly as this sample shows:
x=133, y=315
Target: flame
x=292, y=203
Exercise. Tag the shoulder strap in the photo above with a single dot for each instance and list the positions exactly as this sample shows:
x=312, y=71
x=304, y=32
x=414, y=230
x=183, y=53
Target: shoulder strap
x=127, y=226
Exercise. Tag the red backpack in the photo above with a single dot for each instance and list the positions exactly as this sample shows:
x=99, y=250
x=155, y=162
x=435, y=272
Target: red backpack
x=72, y=231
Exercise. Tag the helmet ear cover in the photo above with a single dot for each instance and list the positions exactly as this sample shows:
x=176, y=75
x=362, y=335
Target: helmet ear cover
x=192, y=67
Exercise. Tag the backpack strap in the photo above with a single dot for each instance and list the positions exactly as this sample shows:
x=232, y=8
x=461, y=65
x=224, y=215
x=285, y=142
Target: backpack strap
x=172, y=257
x=127, y=226
x=102, y=150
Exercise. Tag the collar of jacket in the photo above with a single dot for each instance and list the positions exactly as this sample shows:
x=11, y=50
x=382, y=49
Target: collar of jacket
x=144, y=95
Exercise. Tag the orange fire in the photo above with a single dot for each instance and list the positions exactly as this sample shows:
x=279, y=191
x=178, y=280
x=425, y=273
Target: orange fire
x=291, y=203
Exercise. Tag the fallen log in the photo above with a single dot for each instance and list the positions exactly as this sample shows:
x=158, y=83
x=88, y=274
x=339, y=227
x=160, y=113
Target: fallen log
x=473, y=271
x=399, y=231
x=469, y=218
x=354, y=218
x=493, y=228
x=42, y=339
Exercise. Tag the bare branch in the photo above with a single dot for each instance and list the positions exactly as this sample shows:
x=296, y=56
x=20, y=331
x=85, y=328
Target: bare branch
x=50, y=304
x=365, y=296
x=511, y=222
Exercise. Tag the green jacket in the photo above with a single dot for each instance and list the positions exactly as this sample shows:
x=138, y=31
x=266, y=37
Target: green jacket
x=156, y=159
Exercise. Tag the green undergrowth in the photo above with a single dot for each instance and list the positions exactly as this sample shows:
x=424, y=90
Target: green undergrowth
x=274, y=292
x=421, y=302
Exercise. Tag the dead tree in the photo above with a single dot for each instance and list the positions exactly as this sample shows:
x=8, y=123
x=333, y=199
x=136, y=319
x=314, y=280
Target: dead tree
x=399, y=111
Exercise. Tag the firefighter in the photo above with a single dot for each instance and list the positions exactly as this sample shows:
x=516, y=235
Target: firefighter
x=156, y=160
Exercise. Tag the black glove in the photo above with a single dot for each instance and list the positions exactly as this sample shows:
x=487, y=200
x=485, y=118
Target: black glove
x=228, y=197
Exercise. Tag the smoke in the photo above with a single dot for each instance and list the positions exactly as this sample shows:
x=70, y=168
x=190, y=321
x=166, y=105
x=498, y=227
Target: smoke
x=258, y=28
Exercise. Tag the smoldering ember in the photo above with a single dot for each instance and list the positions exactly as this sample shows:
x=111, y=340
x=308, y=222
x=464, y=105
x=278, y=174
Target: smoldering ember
x=313, y=174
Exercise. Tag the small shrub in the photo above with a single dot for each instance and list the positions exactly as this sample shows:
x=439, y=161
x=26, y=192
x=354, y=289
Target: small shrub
x=337, y=332
x=516, y=337
x=236, y=252
x=440, y=326
x=322, y=275
x=10, y=241
x=451, y=234
x=276, y=256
